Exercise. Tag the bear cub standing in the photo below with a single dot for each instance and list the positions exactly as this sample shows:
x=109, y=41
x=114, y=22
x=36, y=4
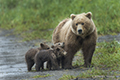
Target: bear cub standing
x=49, y=56
x=59, y=58
x=30, y=54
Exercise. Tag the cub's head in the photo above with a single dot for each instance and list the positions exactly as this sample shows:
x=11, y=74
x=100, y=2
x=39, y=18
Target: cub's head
x=82, y=24
x=43, y=46
x=58, y=51
x=60, y=44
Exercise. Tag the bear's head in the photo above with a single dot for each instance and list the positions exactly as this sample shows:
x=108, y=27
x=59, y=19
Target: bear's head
x=82, y=24
x=43, y=46
x=59, y=52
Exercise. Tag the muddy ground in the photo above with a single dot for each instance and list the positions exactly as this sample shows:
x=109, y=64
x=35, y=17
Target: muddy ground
x=12, y=62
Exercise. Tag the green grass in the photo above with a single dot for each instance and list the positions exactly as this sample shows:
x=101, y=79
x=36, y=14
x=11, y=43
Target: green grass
x=36, y=19
x=67, y=77
x=106, y=55
x=92, y=73
x=41, y=76
x=106, y=61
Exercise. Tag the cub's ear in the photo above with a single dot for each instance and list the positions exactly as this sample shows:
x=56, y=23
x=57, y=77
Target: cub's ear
x=89, y=15
x=42, y=44
x=72, y=16
x=52, y=46
x=53, y=56
x=58, y=49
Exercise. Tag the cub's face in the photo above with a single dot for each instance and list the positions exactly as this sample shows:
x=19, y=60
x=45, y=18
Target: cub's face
x=59, y=52
x=82, y=24
x=60, y=44
x=44, y=46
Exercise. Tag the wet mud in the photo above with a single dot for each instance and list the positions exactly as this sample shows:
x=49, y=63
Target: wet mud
x=12, y=61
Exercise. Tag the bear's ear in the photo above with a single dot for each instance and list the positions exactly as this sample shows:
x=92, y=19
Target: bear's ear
x=89, y=15
x=41, y=44
x=72, y=16
x=52, y=46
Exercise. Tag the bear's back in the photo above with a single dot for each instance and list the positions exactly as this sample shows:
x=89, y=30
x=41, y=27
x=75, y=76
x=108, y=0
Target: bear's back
x=61, y=31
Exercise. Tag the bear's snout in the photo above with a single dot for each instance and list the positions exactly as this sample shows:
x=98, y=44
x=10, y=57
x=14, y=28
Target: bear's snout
x=79, y=31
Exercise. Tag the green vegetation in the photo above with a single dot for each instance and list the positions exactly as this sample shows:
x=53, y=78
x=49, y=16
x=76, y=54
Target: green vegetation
x=41, y=76
x=92, y=73
x=67, y=77
x=35, y=19
x=107, y=55
x=106, y=60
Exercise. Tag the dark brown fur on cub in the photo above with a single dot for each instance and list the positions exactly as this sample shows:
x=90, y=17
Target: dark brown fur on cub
x=60, y=55
x=49, y=56
x=30, y=54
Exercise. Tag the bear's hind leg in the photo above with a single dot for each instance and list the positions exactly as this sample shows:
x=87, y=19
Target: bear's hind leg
x=30, y=63
x=88, y=53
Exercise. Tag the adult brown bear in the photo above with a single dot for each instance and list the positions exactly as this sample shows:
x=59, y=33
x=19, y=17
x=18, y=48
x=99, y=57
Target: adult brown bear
x=78, y=32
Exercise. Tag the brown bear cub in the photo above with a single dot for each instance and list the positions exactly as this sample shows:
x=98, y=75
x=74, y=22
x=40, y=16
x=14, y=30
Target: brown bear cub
x=49, y=56
x=59, y=59
x=30, y=54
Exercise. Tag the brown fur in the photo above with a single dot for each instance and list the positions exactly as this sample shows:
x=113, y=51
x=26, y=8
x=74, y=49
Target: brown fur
x=68, y=31
x=59, y=44
x=50, y=56
x=30, y=54
x=60, y=55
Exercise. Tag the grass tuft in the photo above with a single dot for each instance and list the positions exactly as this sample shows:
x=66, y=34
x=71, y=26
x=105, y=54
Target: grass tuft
x=41, y=76
x=67, y=77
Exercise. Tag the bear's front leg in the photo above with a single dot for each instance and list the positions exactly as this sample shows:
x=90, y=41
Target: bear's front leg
x=88, y=50
x=67, y=61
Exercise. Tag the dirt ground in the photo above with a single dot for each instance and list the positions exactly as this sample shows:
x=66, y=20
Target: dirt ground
x=12, y=61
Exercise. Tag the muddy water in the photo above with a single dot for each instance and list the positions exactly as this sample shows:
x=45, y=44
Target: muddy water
x=12, y=62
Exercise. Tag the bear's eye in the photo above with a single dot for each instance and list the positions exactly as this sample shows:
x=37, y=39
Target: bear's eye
x=82, y=23
x=76, y=24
